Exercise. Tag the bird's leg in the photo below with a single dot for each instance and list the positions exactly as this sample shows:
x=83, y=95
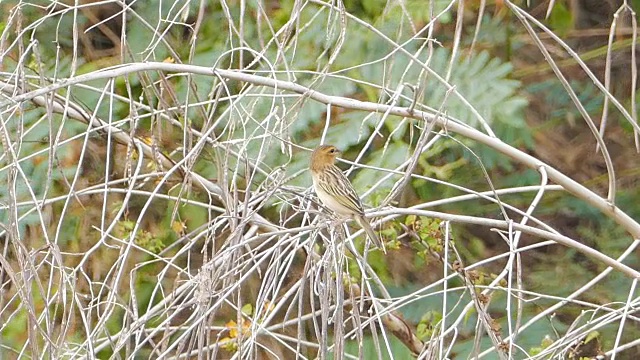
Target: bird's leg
x=335, y=223
x=332, y=226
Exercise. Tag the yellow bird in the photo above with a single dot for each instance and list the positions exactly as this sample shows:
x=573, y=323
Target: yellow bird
x=335, y=190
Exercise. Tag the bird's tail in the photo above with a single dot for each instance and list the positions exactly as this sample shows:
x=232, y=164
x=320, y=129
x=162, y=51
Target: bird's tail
x=370, y=232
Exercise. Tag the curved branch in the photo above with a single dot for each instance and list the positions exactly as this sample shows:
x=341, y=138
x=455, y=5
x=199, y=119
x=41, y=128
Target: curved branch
x=450, y=124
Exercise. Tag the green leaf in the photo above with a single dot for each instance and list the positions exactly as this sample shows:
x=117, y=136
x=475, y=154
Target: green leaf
x=247, y=309
x=561, y=18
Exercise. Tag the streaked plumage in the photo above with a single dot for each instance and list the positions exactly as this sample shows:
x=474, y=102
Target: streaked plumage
x=335, y=191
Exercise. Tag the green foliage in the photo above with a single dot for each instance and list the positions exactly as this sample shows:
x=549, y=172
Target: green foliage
x=561, y=19
x=521, y=178
x=427, y=230
x=420, y=12
x=38, y=171
x=427, y=325
x=545, y=343
x=601, y=234
x=484, y=83
x=13, y=331
x=496, y=34
x=559, y=103
x=143, y=238
x=371, y=348
x=576, y=207
x=146, y=286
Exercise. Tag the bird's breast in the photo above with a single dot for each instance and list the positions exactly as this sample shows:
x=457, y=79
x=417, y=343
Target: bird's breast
x=330, y=200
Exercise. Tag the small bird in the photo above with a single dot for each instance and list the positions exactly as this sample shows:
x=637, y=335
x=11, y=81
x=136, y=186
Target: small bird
x=335, y=191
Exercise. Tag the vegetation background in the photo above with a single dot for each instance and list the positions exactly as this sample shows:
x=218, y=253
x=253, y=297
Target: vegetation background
x=155, y=198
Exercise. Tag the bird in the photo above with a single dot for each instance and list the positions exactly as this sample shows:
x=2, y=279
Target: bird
x=335, y=190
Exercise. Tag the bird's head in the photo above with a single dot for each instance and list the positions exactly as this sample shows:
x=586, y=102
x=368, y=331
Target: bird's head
x=324, y=155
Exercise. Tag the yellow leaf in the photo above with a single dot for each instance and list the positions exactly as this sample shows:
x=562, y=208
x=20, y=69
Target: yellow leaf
x=233, y=328
x=179, y=227
x=147, y=140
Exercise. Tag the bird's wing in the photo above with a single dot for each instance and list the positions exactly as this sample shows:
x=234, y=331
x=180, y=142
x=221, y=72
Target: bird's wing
x=339, y=186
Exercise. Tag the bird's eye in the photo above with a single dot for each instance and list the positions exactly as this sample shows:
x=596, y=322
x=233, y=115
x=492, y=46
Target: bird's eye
x=332, y=151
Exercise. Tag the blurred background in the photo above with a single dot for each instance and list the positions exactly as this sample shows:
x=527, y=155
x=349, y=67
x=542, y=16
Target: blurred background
x=110, y=249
